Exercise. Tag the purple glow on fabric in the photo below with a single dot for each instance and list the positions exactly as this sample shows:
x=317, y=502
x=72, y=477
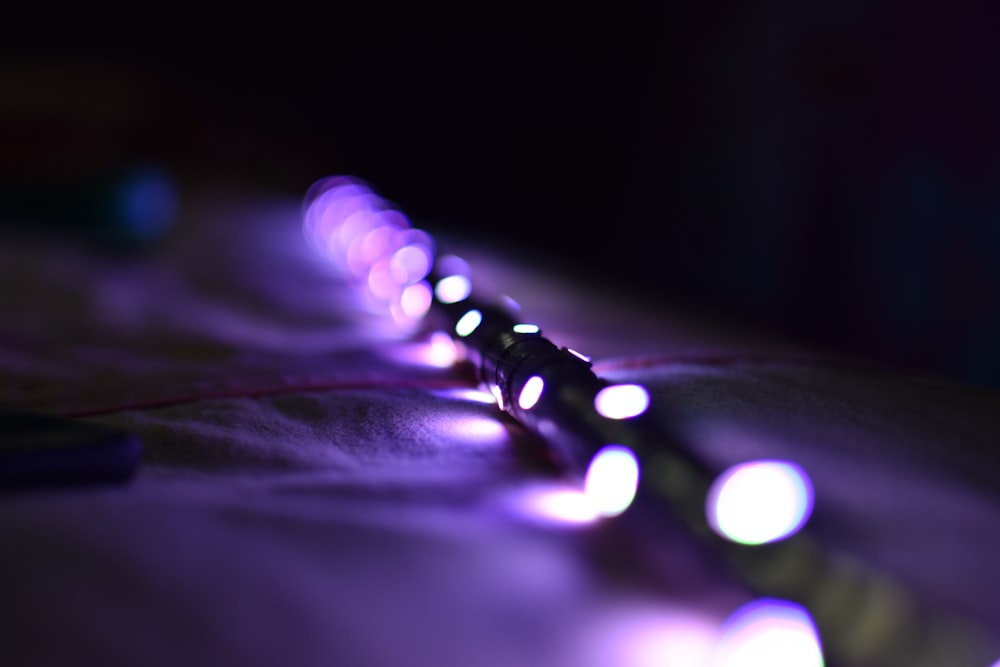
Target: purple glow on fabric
x=770, y=632
x=482, y=430
x=651, y=635
x=439, y=351
x=760, y=502
x=621, y=401
x=416, y=300
x=612, y=480
x=467, y=394
x=468, y=323
x=555, y=505
x=453, y=288
x=531, y=392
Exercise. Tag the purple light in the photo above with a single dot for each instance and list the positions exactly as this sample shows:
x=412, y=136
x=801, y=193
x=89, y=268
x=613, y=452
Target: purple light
x=453, y=289
x=468, y=323
x=453, y=265
x=760, y=502
x=467, y=394
x=768, y=632
x=381, y=281
x=578, y=355
x=415, y=300
x=497, y=394
x=612, y=480
x=531, y=392
x=410, y=263
x=621, y=401
x=552, y=504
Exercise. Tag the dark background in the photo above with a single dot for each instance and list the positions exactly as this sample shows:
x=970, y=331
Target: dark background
x=826, y=172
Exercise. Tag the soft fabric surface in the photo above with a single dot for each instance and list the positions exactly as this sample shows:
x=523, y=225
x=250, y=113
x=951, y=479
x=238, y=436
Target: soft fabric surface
x=312, y=492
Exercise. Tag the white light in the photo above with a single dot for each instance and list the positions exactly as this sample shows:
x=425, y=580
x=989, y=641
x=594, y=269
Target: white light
x=453, y=289
x=468, y=323
x=526, y=328
x=531, y=392
x=550, y=504
x=621, y=401
x=759, y=502
x=466, y=394
x=410, y=263
x=771, y=633
x=612, y=480
x=497, y=394
x=578, y=355
x=416, y=300
x=441, y=350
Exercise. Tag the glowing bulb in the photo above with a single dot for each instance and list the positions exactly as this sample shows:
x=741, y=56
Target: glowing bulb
x=578, y=355
x=531, y=392
x=453, y=289
x=769, y=632
x=441, y=350
x=468, y=323
x=621, y=401
x=416, y=300
x=759, y=502
x=526, y=328
x=612, y=480
x=551, y=504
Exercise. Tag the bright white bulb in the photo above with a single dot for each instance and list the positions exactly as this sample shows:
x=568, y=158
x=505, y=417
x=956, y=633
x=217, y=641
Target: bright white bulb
x=468, y=323
x=498, y=395
x=621, y=401
x=526, y=328
x=531, y=392
x=453, y=289
x=759, y=502
x=771, y=633
x=612, y=480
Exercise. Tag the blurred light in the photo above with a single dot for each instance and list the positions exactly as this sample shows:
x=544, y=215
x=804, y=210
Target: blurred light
x=146, y=203
x=416, y=300
x=612, y=479
x=468, y=323
x=621, y=401
x=769, y=633
x=526, y=328
x=581, y=357
x=759, y=502
x=381, y=282
x=641, y=634
x=410, y=263
x=531, y=392
x=497, y=394
x=483, y=430
x=553, y=504
x=440, y=350
x=509, y=304
x=453, y=289
x=452, y=265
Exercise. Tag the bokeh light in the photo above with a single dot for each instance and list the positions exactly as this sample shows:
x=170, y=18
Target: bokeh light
x=468, y=323
x=612, y=480
x=453, y=288
x=621, y=401
x=769, y=633
x=531, y=392
x=760, y=501
x=526, y=328
x=416, y=300
x=552, y=505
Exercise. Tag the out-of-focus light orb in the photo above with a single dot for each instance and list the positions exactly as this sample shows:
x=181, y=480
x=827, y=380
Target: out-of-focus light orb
x=440, y=350
x=769, y=633
x=526, y=328
x=468, y=323
x=612, y=480
x=579, y=355
x=497, y=394
x=448, y=265
x=553, y=504
x=531, y=392
x=410, y=263
x=381, y=282
x=760, y=501
x=415, y=300
x=452, y=289
x=621, y=401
